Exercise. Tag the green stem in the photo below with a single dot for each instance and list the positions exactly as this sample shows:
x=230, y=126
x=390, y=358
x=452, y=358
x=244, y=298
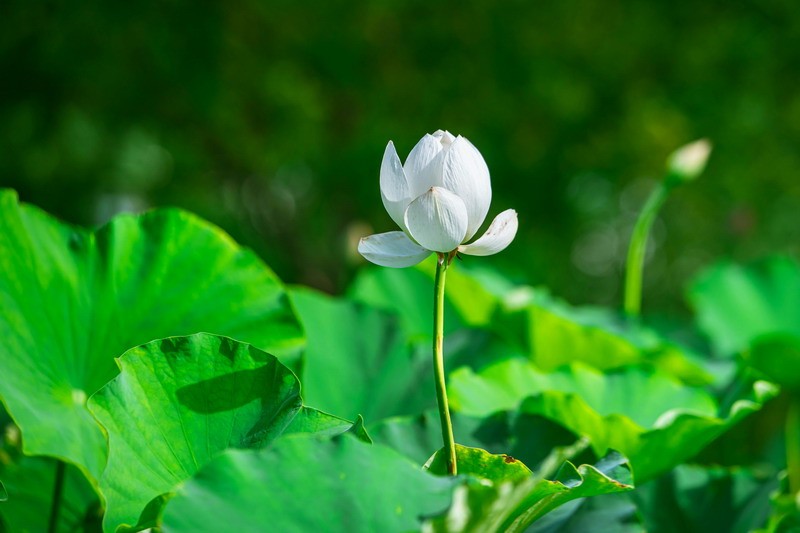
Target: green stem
x=58, y=489
x=438, y=364
x=637, y=248
x=793, y=444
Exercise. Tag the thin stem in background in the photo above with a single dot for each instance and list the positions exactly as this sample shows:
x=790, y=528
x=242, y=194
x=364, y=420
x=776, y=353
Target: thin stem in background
x=58, y=490
x=438, y=363
x=638, y=247
x=793, y=444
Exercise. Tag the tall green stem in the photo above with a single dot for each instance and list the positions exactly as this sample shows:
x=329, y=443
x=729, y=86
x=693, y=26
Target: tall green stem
x=438, y=363
x=793, y=444
x=638, y=247
x=58, y=489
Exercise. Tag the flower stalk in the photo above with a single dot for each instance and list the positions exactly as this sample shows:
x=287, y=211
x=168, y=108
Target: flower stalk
x=438, y=362
x=684, y=165
x=637, y=248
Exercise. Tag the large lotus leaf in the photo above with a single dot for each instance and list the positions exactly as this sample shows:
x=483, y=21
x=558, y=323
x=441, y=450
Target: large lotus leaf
x=654, y=420
x=554, y=333
x=551, y=336
x=777, y=356
x=513, y=506
x=303, y=483
x=735, y=303
x=73, y=300
x=30, y=483
x=358, y=360
x=643, y=395
x=178, y=402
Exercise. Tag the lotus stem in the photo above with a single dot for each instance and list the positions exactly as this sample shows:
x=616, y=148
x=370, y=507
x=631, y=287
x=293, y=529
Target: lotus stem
x=58, y=490
x=438, y=363
x=638, y=247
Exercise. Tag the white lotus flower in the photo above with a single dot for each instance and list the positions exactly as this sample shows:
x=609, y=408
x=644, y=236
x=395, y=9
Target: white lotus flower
x=439, y=198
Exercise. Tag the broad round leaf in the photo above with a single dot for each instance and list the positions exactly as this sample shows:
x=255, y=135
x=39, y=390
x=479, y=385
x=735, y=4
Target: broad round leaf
x=358, y=360
x=30, y=482
x=735, y=304
x=407, y=293
x=778, y=357
x=303, y=483
x=654, y=420
x=555, y=333
x=180, y=401
x=73, y=300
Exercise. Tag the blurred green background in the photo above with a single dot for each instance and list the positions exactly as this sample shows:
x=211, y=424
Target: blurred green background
x=270, y=119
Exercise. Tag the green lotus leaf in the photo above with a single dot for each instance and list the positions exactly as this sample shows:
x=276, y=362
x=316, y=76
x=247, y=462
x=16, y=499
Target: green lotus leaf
x=513, y=506
x=358, y=359
x=553, y=333
x=3, y=492
x=653, y=419
x=477, y=462
x=609, y=513
x=30, y=487
x=73, y=300
x=180, y=401
x=304, y=483
x=735, y=304
x=408, y=293
x=702, y=498
x=777, y=356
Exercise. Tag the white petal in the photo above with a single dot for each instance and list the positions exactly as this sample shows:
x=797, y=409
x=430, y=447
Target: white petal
x=445, y=137
x=437, y=220
x=424, y=166
x=394, y=186
x=392, y=249
x=499, y=235
x=465, y=173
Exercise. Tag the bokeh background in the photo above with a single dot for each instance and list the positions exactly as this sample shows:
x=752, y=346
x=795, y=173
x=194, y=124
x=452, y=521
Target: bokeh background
x=270, y=118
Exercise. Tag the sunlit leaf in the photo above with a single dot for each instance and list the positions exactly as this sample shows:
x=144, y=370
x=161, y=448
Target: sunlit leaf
x=303, y=483
x=178, y=402
x=777, y=356
x=407, y=292
x=735, y=304
x=73, y=300
x=358, y=360
x=477, y=462
x=553, y=333
x=654, y=420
